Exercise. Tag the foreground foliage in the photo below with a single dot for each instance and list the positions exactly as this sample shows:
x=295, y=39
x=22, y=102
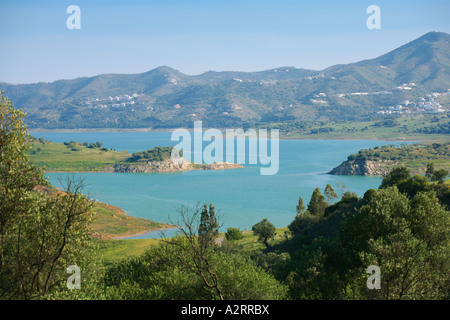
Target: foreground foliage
x=40, y=236
x=403, y=228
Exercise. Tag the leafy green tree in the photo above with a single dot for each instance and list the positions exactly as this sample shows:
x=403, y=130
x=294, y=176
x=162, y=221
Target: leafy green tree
x=233, y=234
x=348, y=195
x=265, y=231
x=407, y=239
x=184, y=269
x=317, y=203
x=394, y=177
x=167, y=271
x=320, y=271
x=369, y=194
x=302, y=222
x=40, y=234
x=439, y=175
x=414, y=185
x=329, y=194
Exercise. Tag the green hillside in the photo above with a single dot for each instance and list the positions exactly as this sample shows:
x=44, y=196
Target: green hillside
x=416, y=157
x=416, y=75
x=73, y=156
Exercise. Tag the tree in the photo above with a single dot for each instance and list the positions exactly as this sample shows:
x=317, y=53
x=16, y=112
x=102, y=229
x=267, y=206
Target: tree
x=265, y=231
x=408, y=239
x=208, y=228
x=317, y=204
x=40, y=234
x=167, y=271
x=341, y=187
x=233, y=234
x=439, y=175
x=414, y=185
x=300, y=206
x=430, y=171
x=194, y=224
x=181, y=268
x=369, y=194
x=302, y=222
x=394, y=177
x=330, y=195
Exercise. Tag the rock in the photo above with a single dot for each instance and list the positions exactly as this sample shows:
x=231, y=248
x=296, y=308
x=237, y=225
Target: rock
x=168, y=165
x=364, y=168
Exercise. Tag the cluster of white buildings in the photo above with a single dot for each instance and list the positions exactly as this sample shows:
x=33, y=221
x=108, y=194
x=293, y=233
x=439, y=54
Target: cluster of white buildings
x=406, y=86
x=426, y=104
x=120, y=101
x=320, y=76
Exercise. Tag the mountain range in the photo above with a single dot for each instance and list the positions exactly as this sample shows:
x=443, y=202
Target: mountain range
x=165, y=98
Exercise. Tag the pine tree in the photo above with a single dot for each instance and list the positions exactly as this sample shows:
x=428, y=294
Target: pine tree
x=300, y=206
x=208, y=228
x=317, y=204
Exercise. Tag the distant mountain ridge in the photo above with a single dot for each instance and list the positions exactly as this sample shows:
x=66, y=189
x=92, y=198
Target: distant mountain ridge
x=165, y=97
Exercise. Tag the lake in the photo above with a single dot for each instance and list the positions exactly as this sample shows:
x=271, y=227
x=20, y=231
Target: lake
x=242, y=196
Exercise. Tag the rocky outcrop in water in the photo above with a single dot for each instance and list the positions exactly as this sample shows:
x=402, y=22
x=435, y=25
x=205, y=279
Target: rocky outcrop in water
x=364, y=167
x=171, y=166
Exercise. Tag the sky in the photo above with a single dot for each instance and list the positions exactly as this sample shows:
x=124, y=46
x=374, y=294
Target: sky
x=196, y=36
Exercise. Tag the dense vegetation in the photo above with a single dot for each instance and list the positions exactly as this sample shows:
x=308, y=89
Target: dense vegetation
x=392, y=127
x=414, y=156
x=154, y=154
x=403, y=228
x=40, y=235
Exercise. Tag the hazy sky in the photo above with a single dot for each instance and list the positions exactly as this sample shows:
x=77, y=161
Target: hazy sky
x=196, y=36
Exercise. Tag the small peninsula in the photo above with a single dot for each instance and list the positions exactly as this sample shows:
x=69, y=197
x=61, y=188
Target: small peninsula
x=74, y=156
x=379, y=161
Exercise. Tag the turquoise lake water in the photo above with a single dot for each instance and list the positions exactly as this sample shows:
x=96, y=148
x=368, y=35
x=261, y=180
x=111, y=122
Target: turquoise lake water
x=242, y=196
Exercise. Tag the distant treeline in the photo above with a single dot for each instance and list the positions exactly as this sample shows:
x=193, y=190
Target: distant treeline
x=154, y=154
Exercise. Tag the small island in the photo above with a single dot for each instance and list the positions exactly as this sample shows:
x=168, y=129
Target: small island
x=110, y=222
x=379, y=161
x=159, y=159
x=74, y=156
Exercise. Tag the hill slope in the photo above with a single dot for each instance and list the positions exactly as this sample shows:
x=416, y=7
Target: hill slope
x=165, y=97
x=379, y=161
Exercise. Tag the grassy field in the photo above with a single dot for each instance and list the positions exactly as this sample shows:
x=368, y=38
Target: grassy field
x=114, y=250
x=59, y=157
x=111, y=222
x=250, y=243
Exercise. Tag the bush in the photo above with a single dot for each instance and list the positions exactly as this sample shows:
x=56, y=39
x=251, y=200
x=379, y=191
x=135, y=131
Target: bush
x=233, y=234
